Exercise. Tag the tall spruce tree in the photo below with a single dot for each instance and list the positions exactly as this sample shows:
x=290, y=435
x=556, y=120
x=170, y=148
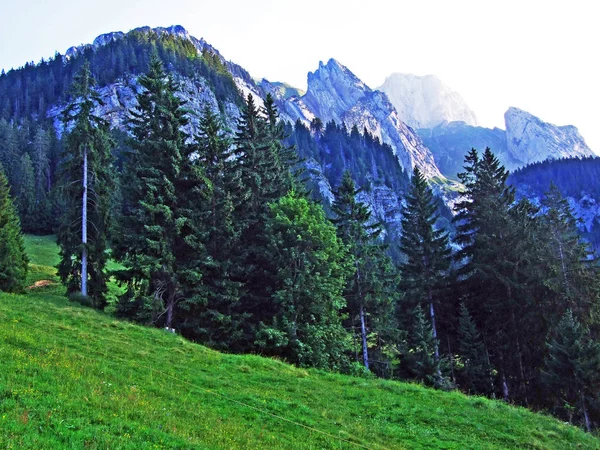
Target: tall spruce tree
x=86, y=188
x=421, y=361
x=475, y=374
x=427, y=252
x=13, y=260
x=217, y=323
x=571, y=370
x=262, y=181
x=159, y=241
x=286, y=170
x=371, y=287
x=497, y=289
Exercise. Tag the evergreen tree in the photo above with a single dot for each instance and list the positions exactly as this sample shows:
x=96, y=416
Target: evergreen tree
x=572, y=367
x=260, y=172
x=371, y=287
x=13, y=260
x=24, y=191
x=498, y=289
x=286, y=164
x=86, y=185
x=40, y=156
x=159, y=241
x=476, y=374
x=420, y=359
x=570, y=275
x=312, y=270
x=426, y=249
x=217, y=323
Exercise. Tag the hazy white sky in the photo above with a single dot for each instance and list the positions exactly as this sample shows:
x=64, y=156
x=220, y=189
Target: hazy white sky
x=541, y=56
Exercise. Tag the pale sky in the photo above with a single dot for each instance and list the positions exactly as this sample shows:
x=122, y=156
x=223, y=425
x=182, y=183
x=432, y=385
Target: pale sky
x=540, y=56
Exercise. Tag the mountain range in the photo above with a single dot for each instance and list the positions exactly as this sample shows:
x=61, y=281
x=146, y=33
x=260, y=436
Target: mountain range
x=425, y=123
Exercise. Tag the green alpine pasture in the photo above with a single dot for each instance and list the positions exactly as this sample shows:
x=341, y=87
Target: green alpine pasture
x=71, y=377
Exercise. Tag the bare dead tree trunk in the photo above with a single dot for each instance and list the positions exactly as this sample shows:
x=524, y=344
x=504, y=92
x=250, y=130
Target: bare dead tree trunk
x=504, y=387
x=586, y=417
x=363, y=332
x=170, y=308
x=84, y=213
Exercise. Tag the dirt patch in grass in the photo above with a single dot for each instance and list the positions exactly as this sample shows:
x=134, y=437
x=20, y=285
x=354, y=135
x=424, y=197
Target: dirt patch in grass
x=41, y=283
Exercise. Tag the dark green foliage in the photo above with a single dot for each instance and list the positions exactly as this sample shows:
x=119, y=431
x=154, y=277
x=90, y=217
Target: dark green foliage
x=216, y=322
x=87, y=139
x=158, y=240
x=312, y=270
x=571, y=371
x=24, y=191
x=26, y=152
x=574, y=177
x=13, y=260
x=420, y=361
x=426, y=250
x=32, y=89
x=570, y=175
x=570, y=274
x=475, y=373
x=336, y=150
x=371, y=290
x=264, y=177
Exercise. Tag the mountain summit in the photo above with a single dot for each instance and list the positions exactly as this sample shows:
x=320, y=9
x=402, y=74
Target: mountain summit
x=426, y=102
x=335, y=93
x=529, y=139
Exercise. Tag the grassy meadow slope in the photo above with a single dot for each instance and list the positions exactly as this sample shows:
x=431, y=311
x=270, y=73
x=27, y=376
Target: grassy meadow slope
x=71, y=377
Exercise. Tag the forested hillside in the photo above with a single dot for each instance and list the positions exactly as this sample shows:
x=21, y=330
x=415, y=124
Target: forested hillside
x=578, y=180
x=269, y=238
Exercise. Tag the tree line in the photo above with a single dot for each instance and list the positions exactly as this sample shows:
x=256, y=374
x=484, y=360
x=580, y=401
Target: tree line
x=218, y=238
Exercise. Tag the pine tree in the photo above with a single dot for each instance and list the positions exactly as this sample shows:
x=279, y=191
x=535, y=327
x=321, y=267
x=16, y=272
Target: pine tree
x=372, y=286
x=312, y=270
x=13, y=260
x=86, y=185
x=40, y=157
x=571, y=369
x=159, y=241
x=426, y=249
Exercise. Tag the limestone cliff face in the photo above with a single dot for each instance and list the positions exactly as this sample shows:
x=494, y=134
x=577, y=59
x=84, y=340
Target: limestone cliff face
x=529, y=139
x=335, y=93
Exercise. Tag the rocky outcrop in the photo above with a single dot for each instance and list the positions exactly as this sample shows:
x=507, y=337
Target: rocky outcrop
x=426, y=102
x=335, y=93
x=529, y=139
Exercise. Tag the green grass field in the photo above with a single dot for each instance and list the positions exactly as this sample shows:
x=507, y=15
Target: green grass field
x=71, y=377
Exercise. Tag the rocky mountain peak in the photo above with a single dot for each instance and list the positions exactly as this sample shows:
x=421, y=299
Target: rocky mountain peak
x=175, y=30
x=332, y=90
x=529, y=139
x=426, y=102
